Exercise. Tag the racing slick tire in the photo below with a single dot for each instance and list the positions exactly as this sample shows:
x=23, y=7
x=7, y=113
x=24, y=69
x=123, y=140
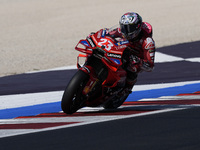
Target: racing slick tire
x=72, y=98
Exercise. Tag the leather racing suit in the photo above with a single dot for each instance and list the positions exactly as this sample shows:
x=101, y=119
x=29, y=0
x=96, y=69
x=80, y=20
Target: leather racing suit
x=141, y=53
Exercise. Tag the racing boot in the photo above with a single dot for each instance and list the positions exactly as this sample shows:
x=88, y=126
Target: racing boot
x=131, y=80
x=128, y=87
x=130, y=84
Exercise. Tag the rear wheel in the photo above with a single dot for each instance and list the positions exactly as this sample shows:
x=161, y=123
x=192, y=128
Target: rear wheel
x=73, y=99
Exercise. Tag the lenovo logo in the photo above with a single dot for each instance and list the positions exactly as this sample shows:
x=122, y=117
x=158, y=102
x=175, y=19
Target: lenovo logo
x=114, y=55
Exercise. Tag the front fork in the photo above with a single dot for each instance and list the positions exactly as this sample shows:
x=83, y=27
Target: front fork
x=88, y=70
x=95, y=69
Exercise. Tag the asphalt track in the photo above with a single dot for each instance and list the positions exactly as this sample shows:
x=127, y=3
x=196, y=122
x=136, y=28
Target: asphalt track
x=178, y=129
x=173, y=130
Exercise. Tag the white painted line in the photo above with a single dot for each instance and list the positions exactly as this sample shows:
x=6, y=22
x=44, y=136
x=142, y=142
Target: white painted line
x=166, y=98
x=20, y=100
x=161, y=58
x=55, y=69
x=196, y=59
x=162, y=85
x=105, y=119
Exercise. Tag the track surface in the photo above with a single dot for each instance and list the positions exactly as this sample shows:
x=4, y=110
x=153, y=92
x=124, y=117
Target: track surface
x=172, y=130
x=169, y=123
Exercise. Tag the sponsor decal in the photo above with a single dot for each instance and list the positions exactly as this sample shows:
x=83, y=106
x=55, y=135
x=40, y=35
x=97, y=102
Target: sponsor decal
x=122, y=42
x=120, y=47
x=150, y=43
x=85, y=43
x=117, y=61
x=99, y=35
x=114, y=55
x=103, y=33
x=91, y=42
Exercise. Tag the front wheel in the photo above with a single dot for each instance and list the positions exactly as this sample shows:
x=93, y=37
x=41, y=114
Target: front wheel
x=73, y=98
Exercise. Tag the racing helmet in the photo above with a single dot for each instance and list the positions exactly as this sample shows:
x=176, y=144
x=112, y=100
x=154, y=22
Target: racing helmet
x=130, y=25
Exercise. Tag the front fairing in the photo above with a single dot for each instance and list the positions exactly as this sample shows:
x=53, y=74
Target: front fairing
x=101, y=44
x=113, y=49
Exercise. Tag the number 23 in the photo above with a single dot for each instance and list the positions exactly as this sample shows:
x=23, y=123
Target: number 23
x=107, y=43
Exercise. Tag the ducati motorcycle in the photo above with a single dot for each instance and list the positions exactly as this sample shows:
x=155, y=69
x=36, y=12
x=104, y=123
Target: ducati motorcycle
x=101, y=81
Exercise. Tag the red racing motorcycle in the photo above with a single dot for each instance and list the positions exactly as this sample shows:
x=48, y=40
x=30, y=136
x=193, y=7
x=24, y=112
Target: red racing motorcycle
x=101, y=80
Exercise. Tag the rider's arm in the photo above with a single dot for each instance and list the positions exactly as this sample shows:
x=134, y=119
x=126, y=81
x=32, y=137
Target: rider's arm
x=115, y=33
x=147, y=63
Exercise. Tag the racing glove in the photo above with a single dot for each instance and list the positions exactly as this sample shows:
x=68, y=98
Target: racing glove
x=134, y=64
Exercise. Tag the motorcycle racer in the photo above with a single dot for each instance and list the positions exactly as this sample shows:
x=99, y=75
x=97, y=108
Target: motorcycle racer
x=114, y=57
x=141, y=49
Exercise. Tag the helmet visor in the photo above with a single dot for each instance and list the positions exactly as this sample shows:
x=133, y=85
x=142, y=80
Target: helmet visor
x=130, y=28
x=130, y=31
